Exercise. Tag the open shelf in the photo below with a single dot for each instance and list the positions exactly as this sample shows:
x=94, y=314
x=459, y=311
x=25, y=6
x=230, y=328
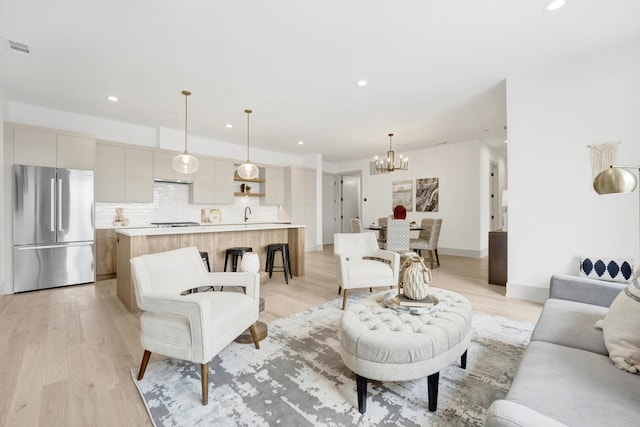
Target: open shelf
x=258, y=180
x=249, y=194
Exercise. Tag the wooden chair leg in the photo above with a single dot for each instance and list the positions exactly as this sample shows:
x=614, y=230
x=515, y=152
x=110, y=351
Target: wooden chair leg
x=254, y=335
x=437, y=257
x=143, y=365
x=339, y=289
x=204, y=373
x=344, y=299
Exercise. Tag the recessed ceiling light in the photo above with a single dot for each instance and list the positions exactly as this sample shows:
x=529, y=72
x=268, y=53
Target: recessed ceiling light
x=555, y=5
x=362, y=83
x=506, y=140
x=112, y=98
x=300, y=142
x=228, y=125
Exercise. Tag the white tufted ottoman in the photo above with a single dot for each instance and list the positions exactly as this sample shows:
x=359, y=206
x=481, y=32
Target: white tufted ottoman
x=383, y=344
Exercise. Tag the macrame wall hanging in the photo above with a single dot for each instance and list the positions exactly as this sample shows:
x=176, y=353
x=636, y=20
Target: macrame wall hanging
x=603, y=156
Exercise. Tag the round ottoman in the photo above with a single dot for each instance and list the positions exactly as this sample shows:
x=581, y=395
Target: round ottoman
x=384, y=344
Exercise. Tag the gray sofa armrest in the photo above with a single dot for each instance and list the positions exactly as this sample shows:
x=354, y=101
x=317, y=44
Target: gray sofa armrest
x=585, y=290
x=504, y=413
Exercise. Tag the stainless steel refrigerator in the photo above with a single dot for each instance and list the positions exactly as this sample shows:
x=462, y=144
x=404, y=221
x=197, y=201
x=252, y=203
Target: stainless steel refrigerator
x=53, y=228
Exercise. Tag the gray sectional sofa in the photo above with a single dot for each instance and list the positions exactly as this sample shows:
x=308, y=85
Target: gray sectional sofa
x=565, y=376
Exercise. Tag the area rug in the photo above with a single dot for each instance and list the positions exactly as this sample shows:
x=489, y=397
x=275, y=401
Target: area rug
x=298, y=379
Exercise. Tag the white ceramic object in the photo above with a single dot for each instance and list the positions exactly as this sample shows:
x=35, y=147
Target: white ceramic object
x=415, y=278
x=250, y=263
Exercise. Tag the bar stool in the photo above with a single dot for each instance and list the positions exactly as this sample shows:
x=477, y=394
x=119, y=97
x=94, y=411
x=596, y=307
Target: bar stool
x=234, y=253
x=283, y=248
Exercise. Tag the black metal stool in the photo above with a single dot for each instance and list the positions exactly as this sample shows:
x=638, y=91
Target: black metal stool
x=286, y=260
x=234, y=253
x=205, y=260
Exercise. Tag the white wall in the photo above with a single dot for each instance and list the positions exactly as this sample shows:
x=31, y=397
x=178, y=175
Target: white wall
x=463, y=172
x=166, y=138
x=3, y=237
x=554, y=214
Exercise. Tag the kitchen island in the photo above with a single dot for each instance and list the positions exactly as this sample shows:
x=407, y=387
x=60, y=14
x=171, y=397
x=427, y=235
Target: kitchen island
x=214, y=239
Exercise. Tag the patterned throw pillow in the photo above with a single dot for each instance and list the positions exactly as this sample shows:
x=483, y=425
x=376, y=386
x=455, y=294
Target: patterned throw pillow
x=610, y=269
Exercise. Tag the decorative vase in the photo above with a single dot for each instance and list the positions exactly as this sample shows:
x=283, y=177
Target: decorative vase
x=415, y=278
x=250, y=263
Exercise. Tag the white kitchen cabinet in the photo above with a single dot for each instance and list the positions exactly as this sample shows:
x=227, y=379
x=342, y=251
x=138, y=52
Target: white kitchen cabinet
x=123, y=174
x=109, y=173
x=163, y=167
x=273, y=186
x=34, y=147
x=75, y=152
x=300, y=201
x=213, y=182
x=138, y=175
x=46, y=147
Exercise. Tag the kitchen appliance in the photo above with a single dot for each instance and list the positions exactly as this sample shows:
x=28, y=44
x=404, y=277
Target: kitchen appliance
x=53, y=228
x=175, y=224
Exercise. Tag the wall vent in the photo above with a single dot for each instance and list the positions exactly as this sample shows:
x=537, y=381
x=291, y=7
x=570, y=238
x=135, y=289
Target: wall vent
x=19, y=47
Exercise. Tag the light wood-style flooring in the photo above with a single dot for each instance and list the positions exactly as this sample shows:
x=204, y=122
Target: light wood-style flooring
x=66, y=353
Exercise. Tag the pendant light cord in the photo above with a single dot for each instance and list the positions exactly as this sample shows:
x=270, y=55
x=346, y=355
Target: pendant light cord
x=248, y=113
x=186, y=94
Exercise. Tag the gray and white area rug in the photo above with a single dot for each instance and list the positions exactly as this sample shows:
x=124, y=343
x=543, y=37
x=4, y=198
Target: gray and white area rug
x=298, y=379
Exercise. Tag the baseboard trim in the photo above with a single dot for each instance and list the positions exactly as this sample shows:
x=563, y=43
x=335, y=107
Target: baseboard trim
x=464, y=252
x=527, y=293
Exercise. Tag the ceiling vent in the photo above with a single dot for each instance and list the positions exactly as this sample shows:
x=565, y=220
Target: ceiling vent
x=19, y=47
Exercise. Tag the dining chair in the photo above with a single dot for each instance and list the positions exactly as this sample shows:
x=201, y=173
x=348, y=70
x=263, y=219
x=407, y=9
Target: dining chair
x=382, y=234
x=195, y=326
x=428, y=239
x=397, y=235
x=362, y=264
x=356, y=225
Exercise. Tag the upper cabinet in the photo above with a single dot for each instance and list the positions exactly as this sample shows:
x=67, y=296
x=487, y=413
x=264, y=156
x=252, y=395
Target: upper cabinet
x=273, y=186
x=123, y=174
x=213, y=182
x=44, y=147
x=163, y=167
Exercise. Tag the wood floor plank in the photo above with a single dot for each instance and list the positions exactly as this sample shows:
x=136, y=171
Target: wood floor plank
x=67, y=353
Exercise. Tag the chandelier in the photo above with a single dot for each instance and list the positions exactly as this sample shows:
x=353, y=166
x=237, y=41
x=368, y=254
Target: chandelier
x=185, y=162
x=390, y=165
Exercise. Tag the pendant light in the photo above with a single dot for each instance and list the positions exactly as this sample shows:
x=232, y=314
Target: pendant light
x=390, y=166
x=248, y=170
x=185, y=162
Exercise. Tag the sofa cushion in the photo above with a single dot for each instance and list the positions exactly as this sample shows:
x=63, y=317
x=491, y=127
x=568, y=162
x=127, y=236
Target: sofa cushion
x=571, y=324
x=611, y=269
x=575, y=387
x=621, y=329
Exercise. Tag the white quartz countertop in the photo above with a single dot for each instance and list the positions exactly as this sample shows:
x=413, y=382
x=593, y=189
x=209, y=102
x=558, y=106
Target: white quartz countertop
x=205, y=229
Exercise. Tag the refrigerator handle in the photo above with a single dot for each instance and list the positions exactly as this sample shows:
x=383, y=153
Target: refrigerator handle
x=59, y=205
x=53, y=208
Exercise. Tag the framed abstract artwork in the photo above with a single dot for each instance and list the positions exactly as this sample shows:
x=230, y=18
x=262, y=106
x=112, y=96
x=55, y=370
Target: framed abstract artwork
x=402, y=194
x=427, y=195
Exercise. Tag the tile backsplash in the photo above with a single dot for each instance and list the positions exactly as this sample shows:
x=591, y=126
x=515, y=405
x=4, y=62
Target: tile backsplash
x=171, y=203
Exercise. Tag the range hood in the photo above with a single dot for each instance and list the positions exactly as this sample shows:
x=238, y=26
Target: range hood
x=174, y=181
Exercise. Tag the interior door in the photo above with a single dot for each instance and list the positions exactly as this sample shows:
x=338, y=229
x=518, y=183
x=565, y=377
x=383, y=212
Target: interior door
x=350, y=195
x=329, y=208
x=494, y=214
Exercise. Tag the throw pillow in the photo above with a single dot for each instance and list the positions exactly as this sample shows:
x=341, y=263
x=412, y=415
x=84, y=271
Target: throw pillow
x=621, y=329
x=610, y=269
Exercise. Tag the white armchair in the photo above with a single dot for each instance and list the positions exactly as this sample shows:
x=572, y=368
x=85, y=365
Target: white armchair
x=362, y=264
x=195, y=326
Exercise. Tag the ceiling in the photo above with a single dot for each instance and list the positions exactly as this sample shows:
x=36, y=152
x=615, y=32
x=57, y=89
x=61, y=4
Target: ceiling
x=436, y=70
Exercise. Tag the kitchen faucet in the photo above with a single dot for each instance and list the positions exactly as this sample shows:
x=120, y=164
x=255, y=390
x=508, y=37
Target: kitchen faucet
x=246, y=216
